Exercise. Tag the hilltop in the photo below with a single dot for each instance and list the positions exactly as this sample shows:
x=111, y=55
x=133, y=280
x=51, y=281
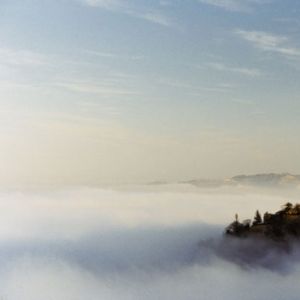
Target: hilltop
x=283, y=224
x=269, y=180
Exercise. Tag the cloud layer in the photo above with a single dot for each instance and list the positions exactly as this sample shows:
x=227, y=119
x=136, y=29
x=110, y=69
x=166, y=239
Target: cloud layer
x=269, y=42
x=124, y=7
x=235, y=5
x=149, y=243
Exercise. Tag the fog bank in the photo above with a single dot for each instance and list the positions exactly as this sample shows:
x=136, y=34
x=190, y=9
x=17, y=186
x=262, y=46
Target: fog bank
x=84, y=243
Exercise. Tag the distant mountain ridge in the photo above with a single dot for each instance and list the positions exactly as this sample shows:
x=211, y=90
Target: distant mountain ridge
x=260, y=180
x=267, y=179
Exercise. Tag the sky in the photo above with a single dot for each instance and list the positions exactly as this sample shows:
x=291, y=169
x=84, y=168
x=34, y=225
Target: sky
x=110, y=91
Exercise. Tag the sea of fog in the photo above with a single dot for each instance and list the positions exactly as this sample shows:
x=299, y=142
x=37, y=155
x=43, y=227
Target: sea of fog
x=143, y=242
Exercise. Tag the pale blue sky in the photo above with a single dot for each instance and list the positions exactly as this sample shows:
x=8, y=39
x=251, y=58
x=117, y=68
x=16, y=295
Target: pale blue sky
x=95, y=91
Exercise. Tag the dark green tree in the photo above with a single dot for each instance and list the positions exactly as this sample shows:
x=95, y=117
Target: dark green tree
x=267, y=218
x=287, y=207
x=257, y=218
x=236, y=218
x=297, y=208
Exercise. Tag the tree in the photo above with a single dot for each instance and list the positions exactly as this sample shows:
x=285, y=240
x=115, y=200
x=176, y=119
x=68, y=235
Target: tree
x=257, y=218
x=297, y=208
x=287, y=207
x=236, y=218
x=267, y=218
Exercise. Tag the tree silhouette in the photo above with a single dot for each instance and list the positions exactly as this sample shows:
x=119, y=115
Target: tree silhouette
x=257, y=218
x=287, y=207
x=236, y=218
x=297, y=208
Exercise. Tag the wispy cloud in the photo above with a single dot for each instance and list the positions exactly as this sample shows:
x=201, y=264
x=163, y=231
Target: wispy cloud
x=242, y=101
x=235, y=5
x=251, y=72
x=104, y=89
x=269, y=42
x=16, y=58
x=108, y=4
x=214, y=89
x=113, y=55
x=19, y=87
x=153, y=16
x=195, y=89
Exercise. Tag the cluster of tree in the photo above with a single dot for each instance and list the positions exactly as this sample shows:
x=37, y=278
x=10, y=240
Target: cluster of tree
x=284, y=222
